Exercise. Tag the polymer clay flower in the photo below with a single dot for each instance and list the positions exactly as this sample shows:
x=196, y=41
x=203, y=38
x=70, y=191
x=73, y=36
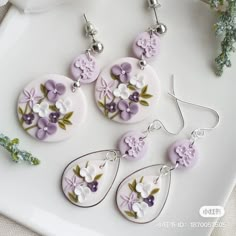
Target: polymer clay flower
x=54, y=116
x=72, y=183
x=64, y=106
x=122, y=71
x=134, y=97
x=93, y=186
x=30, y=97
x=88, y=173
x=85, y=64
x=105, y=89
x=42, y=109
x=55, y=90
x=28, y=118
x=149, y=45
x=136, y=145
x=129, y=200
x=149, y=200
x=144, y=189
x=140, y=208
x=111, y=107
x=82, y=192
x=183, y=151
x=122, y=92
x=45, y=128
x=138, y=81
x=127, y=110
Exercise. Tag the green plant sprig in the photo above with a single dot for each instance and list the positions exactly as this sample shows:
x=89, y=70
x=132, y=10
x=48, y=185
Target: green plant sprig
x=17, y=155
x=225, y=27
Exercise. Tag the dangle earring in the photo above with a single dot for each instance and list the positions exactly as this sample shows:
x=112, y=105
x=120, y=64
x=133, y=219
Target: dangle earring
x=141, y=196
x=87, y=180
x=52, y=107
x=128, y=90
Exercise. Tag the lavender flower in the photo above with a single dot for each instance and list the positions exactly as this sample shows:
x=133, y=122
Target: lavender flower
x=122, y=71
x=28, y=118
x=134, y=97
x=111, y=107
x=54, y=90
x=30, y=97
x=129, y=200
x=127, y=110
x=45, y=128
x=54, y=116
x=149, y=200
x=93, y=186
x=105, y=89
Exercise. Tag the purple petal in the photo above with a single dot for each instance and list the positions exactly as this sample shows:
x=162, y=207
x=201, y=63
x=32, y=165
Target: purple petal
x=123, y=105
x=42, y=123
x=51, y=128
x=32, y=92
x=52, y=97
x=116, y=70
x=61, y=89
x=124, y=78
x=126, y=67
x=41, y=134
x=50, y=85
x=27, y=94
x=125, y=115
x=133, y=108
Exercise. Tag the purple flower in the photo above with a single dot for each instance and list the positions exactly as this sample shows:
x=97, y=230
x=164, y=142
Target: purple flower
x=127, y=110
x=30, y=97
x=28, y=118
x=149, y=200
x=71, y=183
x=122, y=71
x=105, y=89
x=129, y=200
x=150, y=46
x=134, y=97
x=111, y=107
x=54, y=90
x=45, y=128
x=136, y=145
x=93, y=186
x=54, y=116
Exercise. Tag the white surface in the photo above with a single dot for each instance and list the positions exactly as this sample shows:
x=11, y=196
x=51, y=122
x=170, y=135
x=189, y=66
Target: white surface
x=51, y=42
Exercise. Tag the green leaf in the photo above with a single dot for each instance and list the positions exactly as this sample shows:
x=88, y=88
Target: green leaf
x=134, y=183
x=141, y=180
x=67, y=122
x=144, y=90
x=20, y=111
x=131, y=214
x=144, y=103
x=131, y=187
x=43, y=90
x=146, y=96
x=114, y=77
x=155, y=191
x=77, y=171
x=101, y=104
x=73, y=197
x=68, y=116
x=131, y=87
x=97, y=177
x=62, y=125
x=53, y=108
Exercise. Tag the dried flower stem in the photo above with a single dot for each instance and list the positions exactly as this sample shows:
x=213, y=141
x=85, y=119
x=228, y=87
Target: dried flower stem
x=17, y=155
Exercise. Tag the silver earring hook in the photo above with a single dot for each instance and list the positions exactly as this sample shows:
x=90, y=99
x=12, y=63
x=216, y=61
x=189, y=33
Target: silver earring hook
x=158, y=124
x=200, y=132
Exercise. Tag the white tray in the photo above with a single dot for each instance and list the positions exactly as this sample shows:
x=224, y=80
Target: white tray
x=46, y=43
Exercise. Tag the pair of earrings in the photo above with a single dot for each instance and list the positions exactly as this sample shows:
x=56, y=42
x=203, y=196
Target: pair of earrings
x=52, y=107
x=141, y=196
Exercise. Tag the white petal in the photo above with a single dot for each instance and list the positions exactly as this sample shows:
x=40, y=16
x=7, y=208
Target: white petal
x=91, y=170
x=116, y=93
x=78, y=190
x=83, y=172
x=122, y=87
x=133, y=81
x=135, y=207
x=59, y=104
x=36, y=108
x=139, y=187
x=44, y=105
x=125, y=95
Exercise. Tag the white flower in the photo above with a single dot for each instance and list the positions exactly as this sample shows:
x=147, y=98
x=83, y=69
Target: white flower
x=42, y=109
x=64, y=106
x=138, y=81
x=122, y=91
x=88, y=173
x=140, y=208
x=144, y=189
x=82, y=192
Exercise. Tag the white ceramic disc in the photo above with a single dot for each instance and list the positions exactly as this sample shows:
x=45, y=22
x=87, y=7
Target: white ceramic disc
x=48, y=110
x=125, y=93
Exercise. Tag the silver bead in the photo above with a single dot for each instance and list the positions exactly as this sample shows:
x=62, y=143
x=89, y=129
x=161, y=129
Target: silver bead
x=75, y=86
x=142, y=64
x=90, y=29
x=160, y=29
x=97, y=47
x=153, y=4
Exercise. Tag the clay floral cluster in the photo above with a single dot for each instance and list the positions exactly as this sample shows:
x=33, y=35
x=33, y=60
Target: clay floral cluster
x=47, y=111
x=135, y=146
x=142, y=197
x=83, y=183
x=124, y=95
